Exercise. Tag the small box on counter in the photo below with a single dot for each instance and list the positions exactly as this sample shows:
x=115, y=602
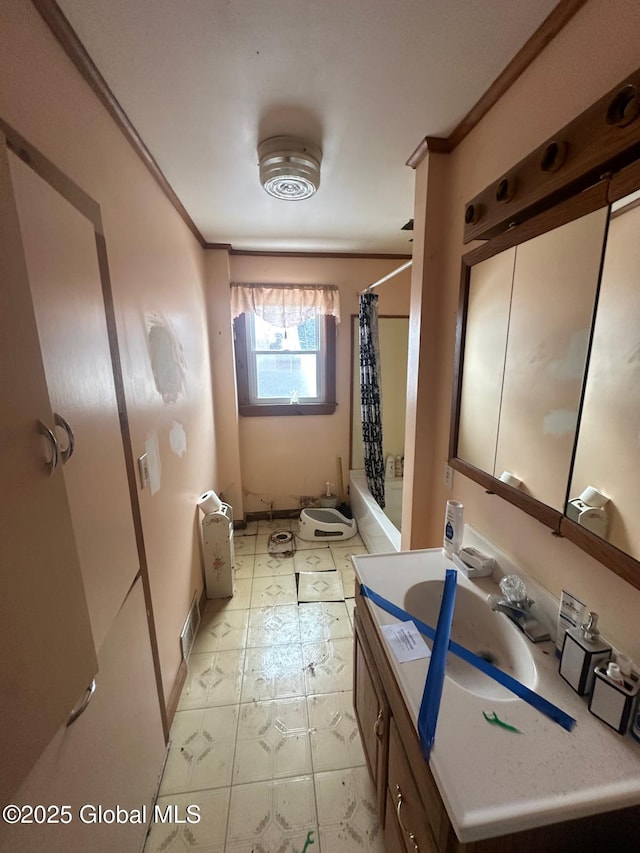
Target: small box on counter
x=612, y=701
x=582, y=650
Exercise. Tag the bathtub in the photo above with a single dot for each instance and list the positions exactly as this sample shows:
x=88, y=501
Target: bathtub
x=380, y=530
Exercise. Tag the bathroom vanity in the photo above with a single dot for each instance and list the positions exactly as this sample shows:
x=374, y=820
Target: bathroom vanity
x=485, y=788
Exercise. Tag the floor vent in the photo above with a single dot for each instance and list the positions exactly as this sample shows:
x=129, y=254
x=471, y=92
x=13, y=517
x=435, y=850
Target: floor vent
x=190, y=628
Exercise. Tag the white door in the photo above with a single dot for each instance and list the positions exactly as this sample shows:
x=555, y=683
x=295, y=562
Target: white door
x=48, y=656
x=62, y=265
x=111, y=756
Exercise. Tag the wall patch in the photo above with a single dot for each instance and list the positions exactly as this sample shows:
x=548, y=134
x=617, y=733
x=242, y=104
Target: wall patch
x=178, y=439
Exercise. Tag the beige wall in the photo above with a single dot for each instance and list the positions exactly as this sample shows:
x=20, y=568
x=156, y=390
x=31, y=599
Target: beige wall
x=157, y=268
x=228, y=483
x=597, y=49
x=285, y=458
x=423, y=460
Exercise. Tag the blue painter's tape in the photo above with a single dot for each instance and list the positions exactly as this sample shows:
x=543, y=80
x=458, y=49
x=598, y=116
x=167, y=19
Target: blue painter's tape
x=430, y=705
x=530, y=696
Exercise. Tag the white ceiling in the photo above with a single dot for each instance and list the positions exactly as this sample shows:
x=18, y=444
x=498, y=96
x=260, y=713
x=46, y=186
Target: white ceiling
x=203, y=81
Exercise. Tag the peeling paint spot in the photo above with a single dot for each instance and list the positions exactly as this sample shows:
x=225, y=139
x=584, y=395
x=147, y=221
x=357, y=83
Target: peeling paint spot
x=560, y=422
x=572, y=365
x=178, y=439
x=167, y=358
x=152, y=449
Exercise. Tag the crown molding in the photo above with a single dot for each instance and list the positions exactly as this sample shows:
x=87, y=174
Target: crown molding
x=75, y=50
x=436, y=144
x=533, y=47
x=345, y=255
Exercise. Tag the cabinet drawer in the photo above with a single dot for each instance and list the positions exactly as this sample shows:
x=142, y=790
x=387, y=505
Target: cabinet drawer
x=419, y=826
x=393, y=837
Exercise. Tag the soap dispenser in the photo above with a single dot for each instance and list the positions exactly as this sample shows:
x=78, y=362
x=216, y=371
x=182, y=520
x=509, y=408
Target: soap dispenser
x=583, y=649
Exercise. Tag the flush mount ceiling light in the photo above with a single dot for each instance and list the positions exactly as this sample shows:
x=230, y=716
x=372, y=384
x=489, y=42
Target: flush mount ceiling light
x=289, y=167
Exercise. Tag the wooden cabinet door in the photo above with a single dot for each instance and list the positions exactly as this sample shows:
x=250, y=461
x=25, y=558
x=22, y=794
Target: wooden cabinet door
x=415, y=825
x=111, y=756
x=372, y=714
x=554, y=285
x=62, y=264
x=393, y=839
x=48, y=657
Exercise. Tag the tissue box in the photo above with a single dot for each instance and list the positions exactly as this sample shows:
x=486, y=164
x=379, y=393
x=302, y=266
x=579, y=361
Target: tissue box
x=612, y=703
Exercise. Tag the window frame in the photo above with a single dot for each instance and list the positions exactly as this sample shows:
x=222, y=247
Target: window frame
x=243, y=354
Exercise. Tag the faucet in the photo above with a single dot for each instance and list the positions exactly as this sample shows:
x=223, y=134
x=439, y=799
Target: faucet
x=516, y=604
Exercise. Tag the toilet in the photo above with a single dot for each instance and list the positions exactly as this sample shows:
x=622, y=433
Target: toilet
x=325, y=524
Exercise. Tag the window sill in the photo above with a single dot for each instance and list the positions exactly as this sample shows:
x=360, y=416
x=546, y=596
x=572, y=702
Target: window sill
x=250, y=411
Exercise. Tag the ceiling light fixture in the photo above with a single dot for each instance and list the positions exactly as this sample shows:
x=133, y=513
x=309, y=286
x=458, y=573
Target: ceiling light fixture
x=289, y=167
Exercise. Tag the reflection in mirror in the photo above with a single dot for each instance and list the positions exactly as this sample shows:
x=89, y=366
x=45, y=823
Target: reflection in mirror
x=608, y=448
x=484, y=351
x=554, y=288
x=525, y=349
x=394, y=342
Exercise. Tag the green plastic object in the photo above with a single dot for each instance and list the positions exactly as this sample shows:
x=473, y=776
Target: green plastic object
x=495, y=720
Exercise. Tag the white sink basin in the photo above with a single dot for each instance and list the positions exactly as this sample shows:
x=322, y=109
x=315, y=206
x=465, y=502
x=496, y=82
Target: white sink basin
x=479, y=629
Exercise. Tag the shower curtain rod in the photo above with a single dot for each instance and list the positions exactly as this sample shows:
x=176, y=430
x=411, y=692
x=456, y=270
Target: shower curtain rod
x=387, y=277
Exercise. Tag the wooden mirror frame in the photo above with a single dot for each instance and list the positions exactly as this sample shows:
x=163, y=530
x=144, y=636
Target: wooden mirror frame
x=599, y=168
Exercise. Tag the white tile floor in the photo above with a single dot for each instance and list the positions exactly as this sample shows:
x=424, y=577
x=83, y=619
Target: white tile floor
x=265, y=739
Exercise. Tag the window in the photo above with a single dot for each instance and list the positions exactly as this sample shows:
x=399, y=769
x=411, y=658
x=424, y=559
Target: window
x=285, y=351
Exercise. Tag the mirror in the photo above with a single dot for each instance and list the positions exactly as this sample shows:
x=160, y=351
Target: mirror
x=548, y=372
x=546, y=400
x=608, y=446
x=529, y=311
x=394, y=343
x=485, y=345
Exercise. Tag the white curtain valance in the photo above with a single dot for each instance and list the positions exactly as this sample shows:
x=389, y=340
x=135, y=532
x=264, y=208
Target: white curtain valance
x=285, y=305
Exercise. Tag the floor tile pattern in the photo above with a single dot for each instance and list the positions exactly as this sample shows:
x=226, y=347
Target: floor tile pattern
x=201, y=751
x=314, y=560
x=321, y=620
x=273, y=741
x=265, y=741
x=347, y=812
x=213, y=679
x=271, y=591
x=320, y=586
x=222, y=629
x=273, y=626
x=335, y=740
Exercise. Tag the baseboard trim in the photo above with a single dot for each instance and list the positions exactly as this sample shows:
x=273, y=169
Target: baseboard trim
x=203, y=601
x=267, y=515
x=174, y=698
x=181, y=677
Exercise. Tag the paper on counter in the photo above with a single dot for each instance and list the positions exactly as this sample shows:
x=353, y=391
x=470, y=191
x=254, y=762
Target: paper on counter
x=405, y=641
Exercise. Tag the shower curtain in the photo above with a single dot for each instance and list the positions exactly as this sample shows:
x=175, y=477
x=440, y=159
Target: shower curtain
x=371, y=396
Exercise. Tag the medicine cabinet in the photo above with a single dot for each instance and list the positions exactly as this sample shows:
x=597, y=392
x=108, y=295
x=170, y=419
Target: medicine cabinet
x=607, y=452
x=547, y=379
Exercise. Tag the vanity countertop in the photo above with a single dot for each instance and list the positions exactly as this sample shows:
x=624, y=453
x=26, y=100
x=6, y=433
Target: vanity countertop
x=494, y=781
